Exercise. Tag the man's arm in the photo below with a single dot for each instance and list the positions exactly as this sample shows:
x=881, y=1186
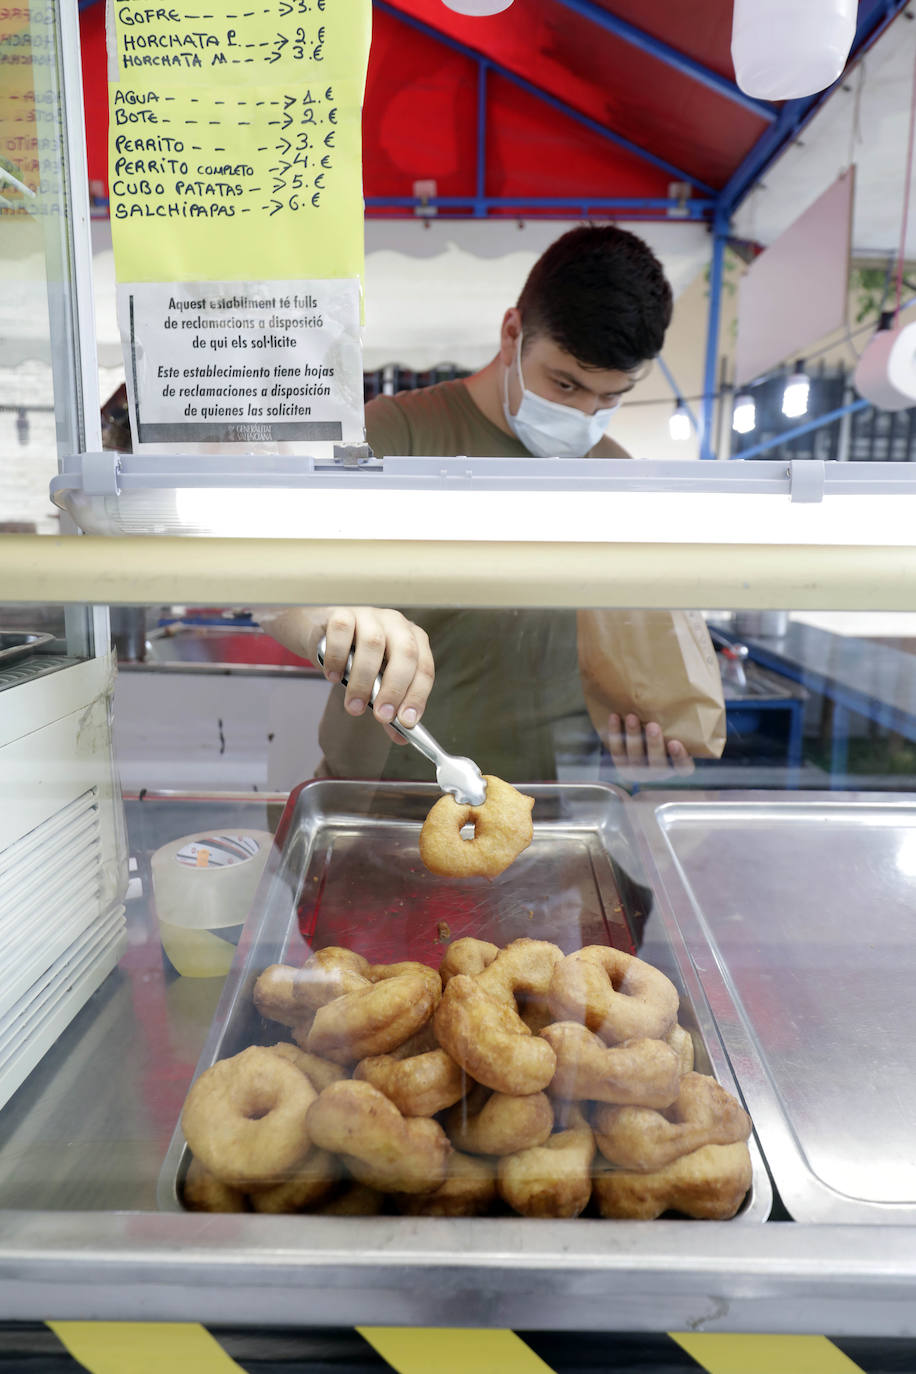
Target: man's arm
x=376, y=638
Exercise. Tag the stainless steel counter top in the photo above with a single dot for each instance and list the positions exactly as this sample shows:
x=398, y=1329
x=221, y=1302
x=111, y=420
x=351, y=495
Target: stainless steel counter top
x=82, y=1143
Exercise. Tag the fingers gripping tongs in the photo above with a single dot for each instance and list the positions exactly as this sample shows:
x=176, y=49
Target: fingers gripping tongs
x=459, y=776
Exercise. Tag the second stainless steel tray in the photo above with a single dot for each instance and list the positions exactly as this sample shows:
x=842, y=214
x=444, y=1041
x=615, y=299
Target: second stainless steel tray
x=799, y=914
x=346, y=870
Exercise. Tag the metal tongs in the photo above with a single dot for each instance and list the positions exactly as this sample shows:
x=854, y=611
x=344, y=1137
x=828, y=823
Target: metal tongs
x=459, y=776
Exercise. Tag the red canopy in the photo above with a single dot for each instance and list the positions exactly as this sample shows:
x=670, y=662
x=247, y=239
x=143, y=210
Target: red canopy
x=557, y=100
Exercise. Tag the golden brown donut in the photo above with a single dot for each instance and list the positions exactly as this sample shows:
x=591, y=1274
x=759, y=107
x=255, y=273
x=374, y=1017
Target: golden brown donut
x=245, y=1118
x=419, y=1086
x=522, y=972
x=469, y=1190
x=500, y=1125
x=614, y=994
x=642, y=1072
x=379, y=972
x=681, y=1041
x=279, y=995
x=549, y=1180
x=202, y=1192
x=421, y=1042
x=374, y=1020
x=710, y=1184
x=502, y=829
x=380, y=1147
x=645, y=1140
x=535, y=1017
x=467, y=955
x=330, y=973
x=319, y=1072
x=568, y=1116
x=490, y=1041
x=314, y=1178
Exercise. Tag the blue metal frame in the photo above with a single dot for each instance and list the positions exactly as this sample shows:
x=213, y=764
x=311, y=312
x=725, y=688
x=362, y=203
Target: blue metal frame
x=672, y=57
x=481, y=205
x=716, y=272
x=806, y=428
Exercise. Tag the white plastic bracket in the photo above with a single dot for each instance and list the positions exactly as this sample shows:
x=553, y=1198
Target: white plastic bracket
x=100, y=473
x=806, y=480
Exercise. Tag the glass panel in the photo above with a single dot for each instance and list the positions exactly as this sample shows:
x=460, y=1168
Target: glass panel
x=44, y=257
x=227, y=736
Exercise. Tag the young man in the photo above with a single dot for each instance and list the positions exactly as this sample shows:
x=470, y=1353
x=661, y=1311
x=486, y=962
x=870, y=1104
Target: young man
x=592, y=314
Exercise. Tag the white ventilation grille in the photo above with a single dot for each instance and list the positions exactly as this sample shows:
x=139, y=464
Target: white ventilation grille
x=57, y=941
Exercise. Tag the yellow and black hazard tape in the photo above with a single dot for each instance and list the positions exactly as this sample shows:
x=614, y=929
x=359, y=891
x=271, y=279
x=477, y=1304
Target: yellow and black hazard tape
x=186, y=1348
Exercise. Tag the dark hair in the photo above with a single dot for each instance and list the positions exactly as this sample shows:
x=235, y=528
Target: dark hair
x=601, y=294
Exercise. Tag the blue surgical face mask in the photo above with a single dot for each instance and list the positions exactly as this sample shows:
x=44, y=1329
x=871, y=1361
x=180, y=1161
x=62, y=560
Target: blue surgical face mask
x=548, y=429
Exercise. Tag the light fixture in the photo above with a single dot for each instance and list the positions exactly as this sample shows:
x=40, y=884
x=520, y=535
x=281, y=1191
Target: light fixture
x=795, y=396
x=782, y=49
x=679, y=426
x=744, y=415
x=477, y=9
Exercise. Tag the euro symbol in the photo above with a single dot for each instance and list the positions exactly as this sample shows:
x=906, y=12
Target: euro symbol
x=315, y=198
x=321, y=34
x=332, y=115
x=329, y=93
x=316, y=53
x=329, y=139
x=319, y=181
x=326, y=162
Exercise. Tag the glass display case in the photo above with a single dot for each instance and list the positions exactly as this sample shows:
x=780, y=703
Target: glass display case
x=206, y=1116
x=770, y=887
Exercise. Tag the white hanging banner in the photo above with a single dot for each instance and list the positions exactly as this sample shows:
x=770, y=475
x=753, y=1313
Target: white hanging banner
x=796, y=292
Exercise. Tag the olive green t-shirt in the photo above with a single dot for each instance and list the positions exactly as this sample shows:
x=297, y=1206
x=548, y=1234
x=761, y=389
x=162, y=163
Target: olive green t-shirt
x=507, y=692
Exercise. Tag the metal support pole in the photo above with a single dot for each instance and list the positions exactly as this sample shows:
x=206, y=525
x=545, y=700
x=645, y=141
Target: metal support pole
x=716, y=268
x=480, y=207
x=845, y=434
x=726, y=408
x=654, y=208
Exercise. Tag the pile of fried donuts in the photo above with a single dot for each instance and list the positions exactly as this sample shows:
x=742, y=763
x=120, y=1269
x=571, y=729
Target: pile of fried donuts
x=515, y=1080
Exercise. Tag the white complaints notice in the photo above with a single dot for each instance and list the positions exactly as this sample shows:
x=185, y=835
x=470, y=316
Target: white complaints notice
x=245, y=363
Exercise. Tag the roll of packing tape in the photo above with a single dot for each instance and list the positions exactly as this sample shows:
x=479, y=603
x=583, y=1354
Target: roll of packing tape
x=204, y=885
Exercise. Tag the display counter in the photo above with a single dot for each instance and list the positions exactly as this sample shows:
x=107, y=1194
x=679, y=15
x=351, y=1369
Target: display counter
x=85, y=1139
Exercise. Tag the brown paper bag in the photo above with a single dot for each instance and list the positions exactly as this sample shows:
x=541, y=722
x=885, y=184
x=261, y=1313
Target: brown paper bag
x=659, y=665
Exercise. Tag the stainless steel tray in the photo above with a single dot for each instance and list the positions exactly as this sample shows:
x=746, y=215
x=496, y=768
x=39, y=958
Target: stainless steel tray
x=799, y=914
x=345, y=869
x=16, y=644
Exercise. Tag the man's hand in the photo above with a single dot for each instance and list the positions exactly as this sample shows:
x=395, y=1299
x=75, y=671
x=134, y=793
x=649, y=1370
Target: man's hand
x=375, y=637
x=643, y=755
